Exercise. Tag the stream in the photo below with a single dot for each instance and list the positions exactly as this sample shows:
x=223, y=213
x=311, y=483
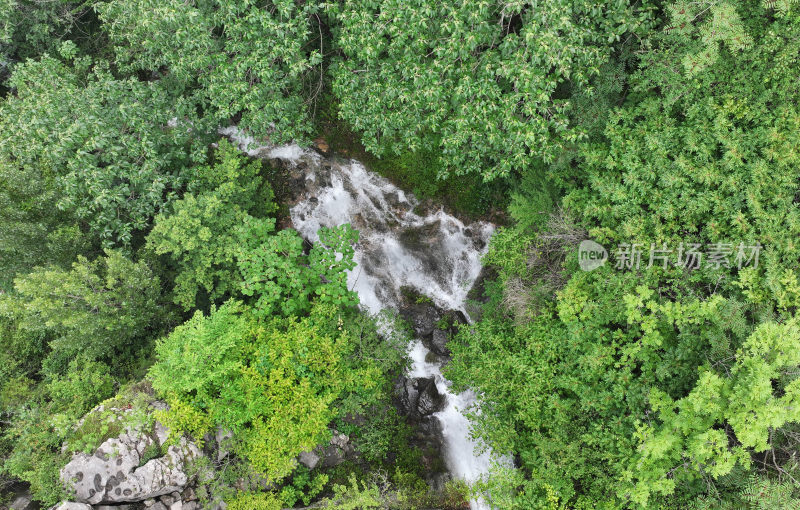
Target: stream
x=399, y=247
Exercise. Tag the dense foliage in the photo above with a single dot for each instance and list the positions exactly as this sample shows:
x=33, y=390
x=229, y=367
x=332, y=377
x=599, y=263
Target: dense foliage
x=668, y=382
x=480, y=81
x=143, y=257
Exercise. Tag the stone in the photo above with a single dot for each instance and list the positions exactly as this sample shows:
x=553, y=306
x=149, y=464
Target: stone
x=223, y=438
x=149, y=502
x=430, y=400
x=161, y=432
x=23, y=502
x=190, y=505
x=158, y=506
x=113, y=475
x=422, y=317
x=167, y=499
x=339, y=439
x=178, y=505
x=439, y=341
x=332, y=456
x=418, y=397
x=69, y=505
x=309, y=459
x=189, y=495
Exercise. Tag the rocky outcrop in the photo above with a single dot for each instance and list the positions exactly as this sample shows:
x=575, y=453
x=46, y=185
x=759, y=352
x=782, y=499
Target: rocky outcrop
x=186, y=500
x=135, y=466
x=422, y=317
x=114, y=473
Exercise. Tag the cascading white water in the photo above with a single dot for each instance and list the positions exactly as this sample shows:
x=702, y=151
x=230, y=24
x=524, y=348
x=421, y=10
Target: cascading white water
x=442, y=267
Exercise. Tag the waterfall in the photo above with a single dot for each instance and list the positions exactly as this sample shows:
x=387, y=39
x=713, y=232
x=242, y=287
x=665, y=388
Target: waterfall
x=399, y=246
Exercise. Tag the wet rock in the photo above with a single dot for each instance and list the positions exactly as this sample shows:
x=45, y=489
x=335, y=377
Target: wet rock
x=437, y=481
x=420, y=312
x=438, y=343
x=426, y=244
x=419, y=397
x=446, y=328
x=406, y=396
x=430, y=400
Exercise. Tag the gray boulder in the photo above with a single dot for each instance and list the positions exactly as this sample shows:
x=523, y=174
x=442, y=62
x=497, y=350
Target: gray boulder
x=69, y=505
x=309, y=459
x=334, y=453
x=113, y=474
x=23, y=502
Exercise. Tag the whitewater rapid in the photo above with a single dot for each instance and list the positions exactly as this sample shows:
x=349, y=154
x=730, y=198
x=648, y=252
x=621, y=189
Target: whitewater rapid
x=443, y=267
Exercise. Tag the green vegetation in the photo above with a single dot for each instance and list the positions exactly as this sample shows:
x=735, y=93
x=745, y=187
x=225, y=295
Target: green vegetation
x=144, y=259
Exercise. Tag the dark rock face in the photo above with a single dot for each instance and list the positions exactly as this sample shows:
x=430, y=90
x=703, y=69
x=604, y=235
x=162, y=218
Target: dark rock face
x=422, y=317
x=429, y=400
x=418, y=397
x=438, y=343
x=434, y=326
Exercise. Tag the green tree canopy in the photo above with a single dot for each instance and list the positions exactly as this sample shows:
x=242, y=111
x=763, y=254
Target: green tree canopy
x=484, y=82
x=276, y=384
x=97, y=310
x=105, y=145
x=201, y=230
x=254, y=58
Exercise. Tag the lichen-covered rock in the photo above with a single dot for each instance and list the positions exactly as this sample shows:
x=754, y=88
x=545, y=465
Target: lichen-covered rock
x=113, y=474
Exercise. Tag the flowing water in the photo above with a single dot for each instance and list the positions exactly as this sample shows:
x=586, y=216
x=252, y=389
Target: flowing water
x=434, y=252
